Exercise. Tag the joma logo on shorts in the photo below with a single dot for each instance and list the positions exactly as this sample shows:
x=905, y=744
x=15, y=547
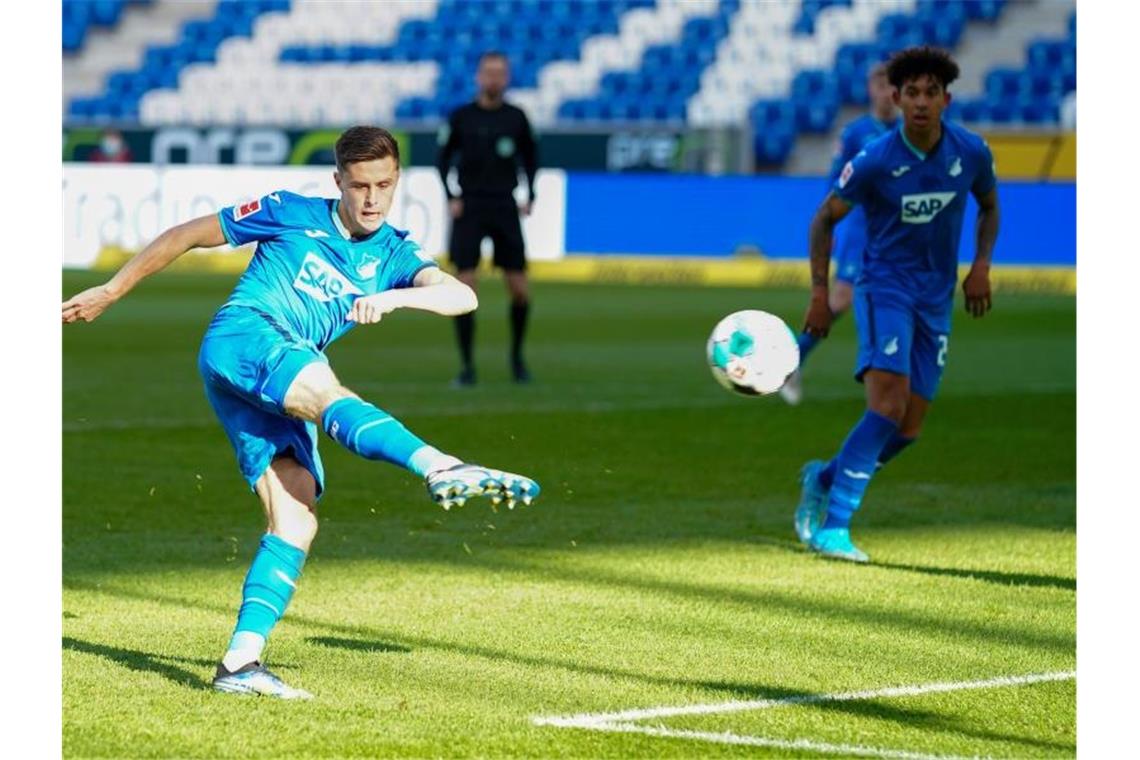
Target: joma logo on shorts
x=322, y=281
x=921, y=208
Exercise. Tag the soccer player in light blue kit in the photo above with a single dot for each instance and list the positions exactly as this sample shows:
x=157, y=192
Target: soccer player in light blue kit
x=912, y=184
x=321, y=267
x=851, y=233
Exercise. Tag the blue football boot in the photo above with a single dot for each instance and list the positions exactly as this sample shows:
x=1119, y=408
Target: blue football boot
x=813, y=501
x=836, y=544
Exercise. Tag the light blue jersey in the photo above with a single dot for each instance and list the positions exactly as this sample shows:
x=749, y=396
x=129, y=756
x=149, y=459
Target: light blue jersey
x=851, y=233
x=292, y=301
x=307, y=270
x=914, y=203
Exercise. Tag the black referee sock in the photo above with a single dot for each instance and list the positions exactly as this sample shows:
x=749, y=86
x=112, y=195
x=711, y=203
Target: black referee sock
x=519, y=312
x=465, y=332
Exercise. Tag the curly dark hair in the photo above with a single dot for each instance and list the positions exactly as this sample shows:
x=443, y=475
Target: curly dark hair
x=914, y=62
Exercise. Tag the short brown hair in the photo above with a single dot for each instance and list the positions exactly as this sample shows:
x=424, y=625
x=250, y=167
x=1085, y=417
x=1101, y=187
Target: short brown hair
x=914, y=62
x=365, y=144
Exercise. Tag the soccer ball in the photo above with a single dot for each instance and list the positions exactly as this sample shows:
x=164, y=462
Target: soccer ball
x=752, y=352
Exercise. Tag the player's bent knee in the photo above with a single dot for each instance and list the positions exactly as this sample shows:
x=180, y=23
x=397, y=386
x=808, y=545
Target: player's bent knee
x=890, y=403
x=311, y=392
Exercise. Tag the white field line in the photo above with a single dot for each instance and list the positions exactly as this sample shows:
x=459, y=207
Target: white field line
x=762, y=741
x=589, y=720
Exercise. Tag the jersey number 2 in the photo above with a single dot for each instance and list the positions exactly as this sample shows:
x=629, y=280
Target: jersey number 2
x=943, y=347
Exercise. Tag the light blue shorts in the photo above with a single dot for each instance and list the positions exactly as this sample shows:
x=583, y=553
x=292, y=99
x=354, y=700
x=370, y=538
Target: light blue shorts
x=248, y=360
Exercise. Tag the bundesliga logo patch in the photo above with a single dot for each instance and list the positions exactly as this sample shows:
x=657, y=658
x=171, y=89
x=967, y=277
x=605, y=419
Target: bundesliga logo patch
x=245, y=209
x=848, y=170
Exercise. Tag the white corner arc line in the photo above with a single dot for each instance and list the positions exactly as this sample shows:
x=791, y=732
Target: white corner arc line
x=801, y=745
x=589, y=720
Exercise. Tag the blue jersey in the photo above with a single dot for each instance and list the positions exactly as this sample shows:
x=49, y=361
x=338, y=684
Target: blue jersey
x=851, y=234
x=855, y=136
x=307, y=270
x=914, y=203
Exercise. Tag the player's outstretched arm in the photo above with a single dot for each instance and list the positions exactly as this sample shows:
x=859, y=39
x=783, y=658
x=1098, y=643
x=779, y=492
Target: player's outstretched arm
x=976, y=286
x=432, y=290
x=818, y=319
x=203, y=232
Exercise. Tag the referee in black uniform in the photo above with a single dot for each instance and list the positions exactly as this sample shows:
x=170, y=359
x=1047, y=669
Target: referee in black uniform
x=492, y=138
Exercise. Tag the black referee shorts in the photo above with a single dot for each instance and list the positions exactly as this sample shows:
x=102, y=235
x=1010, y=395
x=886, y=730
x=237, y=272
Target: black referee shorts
x=496, y=218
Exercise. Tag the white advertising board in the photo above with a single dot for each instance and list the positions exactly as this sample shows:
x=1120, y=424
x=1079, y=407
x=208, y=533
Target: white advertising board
x=128, y=206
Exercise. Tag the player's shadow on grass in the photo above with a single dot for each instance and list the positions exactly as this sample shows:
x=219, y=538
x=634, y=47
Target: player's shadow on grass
x=143, y=662
x=359, y=645
x=989, y=576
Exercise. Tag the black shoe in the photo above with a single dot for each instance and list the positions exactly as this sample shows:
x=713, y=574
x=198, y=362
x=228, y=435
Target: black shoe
x=465, y=379
x=521, y=373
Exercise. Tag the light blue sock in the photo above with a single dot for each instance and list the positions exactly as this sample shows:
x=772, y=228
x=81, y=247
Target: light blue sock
x=372, y=433
x=269, y=585
x=855, y=466
x=894, y=447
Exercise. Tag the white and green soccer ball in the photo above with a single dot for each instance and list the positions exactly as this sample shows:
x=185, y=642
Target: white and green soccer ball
x=752, y=352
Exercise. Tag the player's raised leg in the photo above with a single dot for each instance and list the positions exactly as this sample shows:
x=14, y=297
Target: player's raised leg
x=288, y=493
x=839, y=301
x=368, y=431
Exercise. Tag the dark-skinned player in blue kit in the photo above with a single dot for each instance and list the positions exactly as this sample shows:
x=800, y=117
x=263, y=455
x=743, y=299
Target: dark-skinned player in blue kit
x=912, y=184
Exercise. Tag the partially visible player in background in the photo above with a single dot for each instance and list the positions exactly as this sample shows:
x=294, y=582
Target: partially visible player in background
x=912, y=182
x=492, y=138
x=321, y=267
x=851, y=233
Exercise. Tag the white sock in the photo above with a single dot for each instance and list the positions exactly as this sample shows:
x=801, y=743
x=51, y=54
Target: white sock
x=245, y=647
x=429, y=459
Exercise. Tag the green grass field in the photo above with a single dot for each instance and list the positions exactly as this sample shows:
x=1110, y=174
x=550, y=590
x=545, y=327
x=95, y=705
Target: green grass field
x=659, y=568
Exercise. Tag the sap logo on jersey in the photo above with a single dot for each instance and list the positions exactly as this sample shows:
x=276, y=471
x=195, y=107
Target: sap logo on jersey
x=922, y=207
x=322, y=281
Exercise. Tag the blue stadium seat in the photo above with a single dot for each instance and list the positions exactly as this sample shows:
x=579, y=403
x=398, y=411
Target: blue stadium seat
x=983, y=10
x=772, y=145
x=805, y=22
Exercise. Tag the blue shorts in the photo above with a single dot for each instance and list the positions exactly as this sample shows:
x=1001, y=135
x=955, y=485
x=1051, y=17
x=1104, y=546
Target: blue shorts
x=850, y=240
x=897, y=335
x=248, y=360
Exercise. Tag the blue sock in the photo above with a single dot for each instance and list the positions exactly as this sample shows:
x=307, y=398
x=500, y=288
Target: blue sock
x=893, y=448
x=827, y=474
x=806, y=343
x=855, y=465
x=269, y=585
x=374, y=434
